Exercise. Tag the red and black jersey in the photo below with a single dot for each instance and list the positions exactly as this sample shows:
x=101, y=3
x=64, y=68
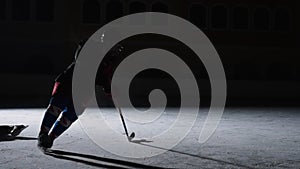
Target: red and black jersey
x=103, y=78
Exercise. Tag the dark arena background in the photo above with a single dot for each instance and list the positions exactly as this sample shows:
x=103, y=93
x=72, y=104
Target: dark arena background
x=258, y=42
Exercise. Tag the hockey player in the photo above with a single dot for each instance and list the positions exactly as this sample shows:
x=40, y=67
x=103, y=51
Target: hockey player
x=61, y=102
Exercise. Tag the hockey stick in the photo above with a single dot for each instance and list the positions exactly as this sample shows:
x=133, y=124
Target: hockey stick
x=131, y=136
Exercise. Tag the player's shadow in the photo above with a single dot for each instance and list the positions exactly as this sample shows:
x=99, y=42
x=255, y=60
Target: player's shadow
x=7, y=138
x=96, y=161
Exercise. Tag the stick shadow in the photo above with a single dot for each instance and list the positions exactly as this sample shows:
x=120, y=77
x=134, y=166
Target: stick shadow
x=102, y=161
x=143, y=142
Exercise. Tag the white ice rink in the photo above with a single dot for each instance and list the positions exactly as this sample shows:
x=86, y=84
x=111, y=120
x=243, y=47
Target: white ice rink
x=245, y=138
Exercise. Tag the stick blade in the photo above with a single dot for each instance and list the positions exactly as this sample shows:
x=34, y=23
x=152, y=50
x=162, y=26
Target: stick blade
x=132, y=135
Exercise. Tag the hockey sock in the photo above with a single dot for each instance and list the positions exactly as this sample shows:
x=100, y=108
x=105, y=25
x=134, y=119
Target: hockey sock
x=62, y=124
x=51, y=115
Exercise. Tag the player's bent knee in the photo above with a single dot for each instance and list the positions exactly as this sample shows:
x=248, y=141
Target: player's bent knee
x=54, y=110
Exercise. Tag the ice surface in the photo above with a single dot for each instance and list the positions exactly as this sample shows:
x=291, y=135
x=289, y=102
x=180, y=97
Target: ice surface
x=245, y=138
